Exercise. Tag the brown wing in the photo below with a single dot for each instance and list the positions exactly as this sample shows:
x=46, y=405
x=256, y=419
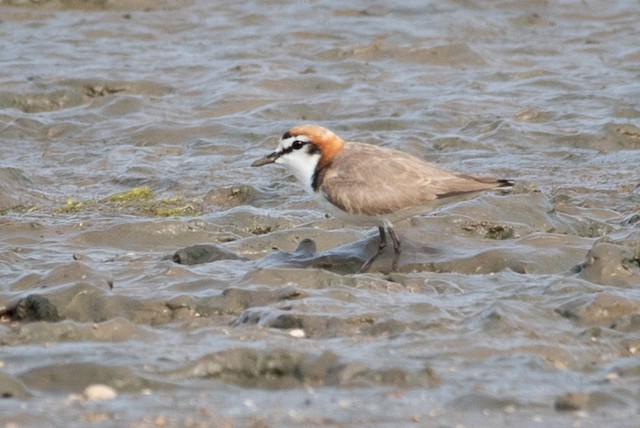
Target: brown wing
x=375, y=180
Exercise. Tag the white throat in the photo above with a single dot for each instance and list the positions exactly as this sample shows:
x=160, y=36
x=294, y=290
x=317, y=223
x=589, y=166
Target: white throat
x=303, y=166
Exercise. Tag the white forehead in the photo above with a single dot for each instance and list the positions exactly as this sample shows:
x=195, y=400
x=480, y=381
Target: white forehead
x=285, y=143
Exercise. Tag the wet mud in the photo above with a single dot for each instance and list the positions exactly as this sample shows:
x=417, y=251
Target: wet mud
x=150, y=277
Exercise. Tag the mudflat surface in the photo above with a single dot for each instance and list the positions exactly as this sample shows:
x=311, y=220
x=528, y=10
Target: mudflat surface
x=150, y=277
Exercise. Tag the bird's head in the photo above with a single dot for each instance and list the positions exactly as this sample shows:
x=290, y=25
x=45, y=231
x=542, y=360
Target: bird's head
x=304, y=150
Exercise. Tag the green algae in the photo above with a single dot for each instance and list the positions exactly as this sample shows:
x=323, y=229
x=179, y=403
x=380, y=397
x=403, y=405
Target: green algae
x=136, y=201
x=143, y=193
x=19, y=209
x=71, y=206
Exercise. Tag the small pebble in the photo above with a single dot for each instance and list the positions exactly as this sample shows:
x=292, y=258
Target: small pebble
x=345, y=404
x=297, y=332
x=571, y=401
x=99, y=392
x=612, y=376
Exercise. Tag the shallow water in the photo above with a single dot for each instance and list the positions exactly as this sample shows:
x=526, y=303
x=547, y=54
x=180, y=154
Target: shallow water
x=128, y=129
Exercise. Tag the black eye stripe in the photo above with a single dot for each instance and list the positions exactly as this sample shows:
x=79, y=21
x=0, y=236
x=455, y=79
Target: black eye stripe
x=299, y=141
x=297, y=144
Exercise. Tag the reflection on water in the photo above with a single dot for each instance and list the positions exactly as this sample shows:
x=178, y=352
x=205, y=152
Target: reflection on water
x=127, y=132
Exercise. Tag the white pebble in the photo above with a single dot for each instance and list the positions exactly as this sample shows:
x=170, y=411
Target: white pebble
x=99, y=392
x=297, y=332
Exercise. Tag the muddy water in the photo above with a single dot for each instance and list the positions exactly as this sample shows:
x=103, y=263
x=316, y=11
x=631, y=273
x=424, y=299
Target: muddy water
x=140, y=252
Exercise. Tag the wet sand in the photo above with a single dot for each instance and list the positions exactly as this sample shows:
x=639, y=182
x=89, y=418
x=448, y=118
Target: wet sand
x=150, y=277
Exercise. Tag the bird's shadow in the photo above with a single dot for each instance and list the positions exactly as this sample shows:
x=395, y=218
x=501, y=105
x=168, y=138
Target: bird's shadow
x=344, y=259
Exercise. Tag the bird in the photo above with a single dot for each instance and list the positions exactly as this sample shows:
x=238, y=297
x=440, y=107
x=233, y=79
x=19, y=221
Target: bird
x=368, y=184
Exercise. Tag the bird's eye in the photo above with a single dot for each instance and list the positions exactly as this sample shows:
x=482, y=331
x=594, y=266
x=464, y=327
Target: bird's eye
x=297, y=145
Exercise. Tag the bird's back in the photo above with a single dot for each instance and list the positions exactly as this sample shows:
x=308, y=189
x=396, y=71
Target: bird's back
x=369, y=180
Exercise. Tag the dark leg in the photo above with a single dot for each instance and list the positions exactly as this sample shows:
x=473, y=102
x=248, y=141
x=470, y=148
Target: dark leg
x=396, y=246
x=381, y=247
